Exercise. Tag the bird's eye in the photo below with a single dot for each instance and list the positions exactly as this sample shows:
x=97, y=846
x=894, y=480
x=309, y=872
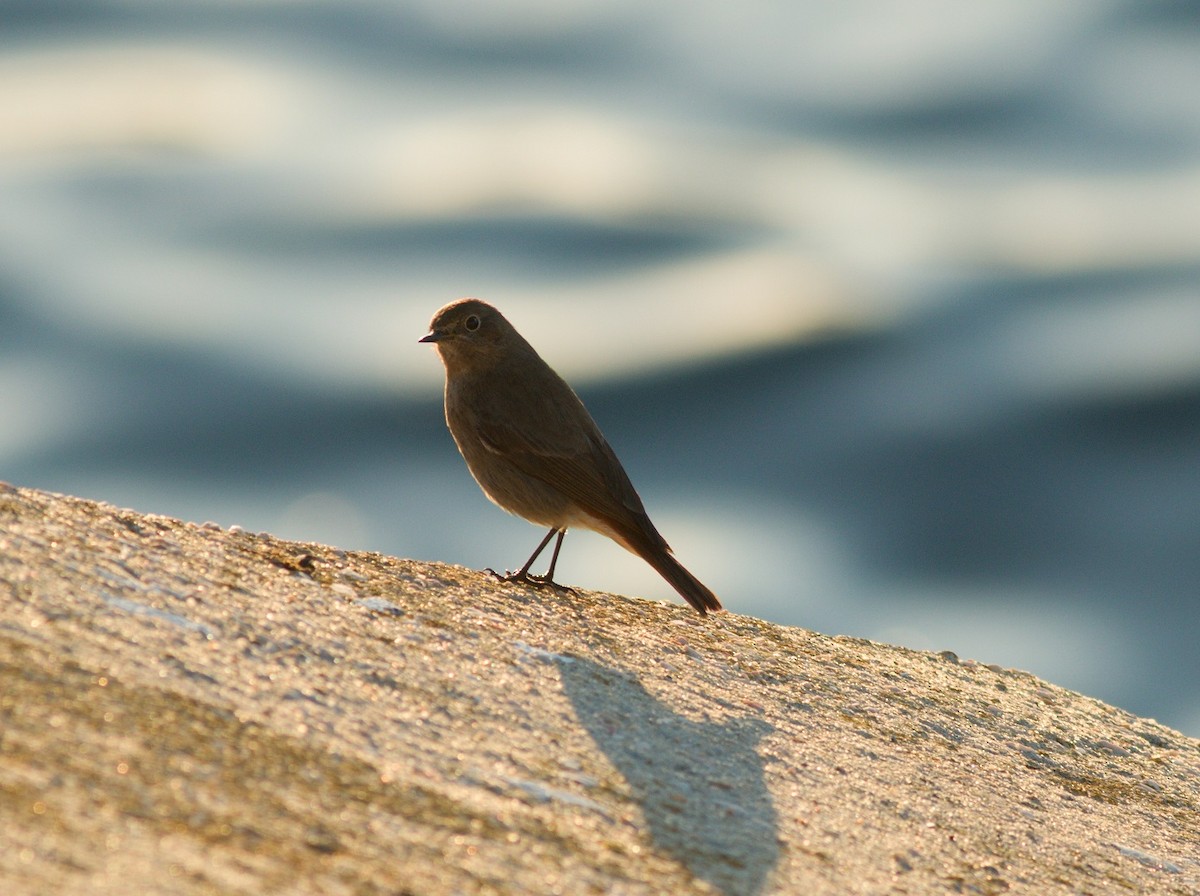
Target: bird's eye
x=472, y=323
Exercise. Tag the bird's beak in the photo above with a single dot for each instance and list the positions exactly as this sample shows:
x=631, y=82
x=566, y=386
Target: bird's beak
x=432, y=337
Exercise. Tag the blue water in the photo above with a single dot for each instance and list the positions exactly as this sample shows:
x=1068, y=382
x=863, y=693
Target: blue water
x=892, y=314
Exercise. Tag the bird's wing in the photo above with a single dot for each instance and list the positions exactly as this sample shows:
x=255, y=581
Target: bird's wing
x=573, y=457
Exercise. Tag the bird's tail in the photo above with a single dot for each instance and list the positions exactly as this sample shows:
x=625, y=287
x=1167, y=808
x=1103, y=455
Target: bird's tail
x=689, y=587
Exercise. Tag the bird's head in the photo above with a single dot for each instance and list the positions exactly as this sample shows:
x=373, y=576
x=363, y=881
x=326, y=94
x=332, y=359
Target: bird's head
x=469, y=332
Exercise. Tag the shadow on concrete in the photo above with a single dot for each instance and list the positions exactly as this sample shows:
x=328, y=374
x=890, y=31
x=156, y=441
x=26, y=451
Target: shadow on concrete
x=700, y=784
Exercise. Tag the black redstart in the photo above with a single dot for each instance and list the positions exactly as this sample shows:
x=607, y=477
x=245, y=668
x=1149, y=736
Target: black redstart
x=535, y=450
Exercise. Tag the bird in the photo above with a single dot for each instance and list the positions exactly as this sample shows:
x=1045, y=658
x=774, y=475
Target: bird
x=535, y=450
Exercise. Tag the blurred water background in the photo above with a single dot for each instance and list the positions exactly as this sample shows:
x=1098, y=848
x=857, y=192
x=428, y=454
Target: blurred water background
x=891, y=310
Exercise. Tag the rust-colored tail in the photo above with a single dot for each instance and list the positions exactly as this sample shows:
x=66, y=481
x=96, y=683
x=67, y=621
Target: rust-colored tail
x=689, y=587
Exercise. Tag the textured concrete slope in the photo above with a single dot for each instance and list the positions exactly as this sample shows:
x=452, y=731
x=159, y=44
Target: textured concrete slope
x=191, y=710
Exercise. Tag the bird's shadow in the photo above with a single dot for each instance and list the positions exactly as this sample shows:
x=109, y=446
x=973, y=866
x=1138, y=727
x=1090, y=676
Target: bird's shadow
x=700, y=784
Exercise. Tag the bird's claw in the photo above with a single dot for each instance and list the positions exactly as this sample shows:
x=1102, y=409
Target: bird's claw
x=524, y=578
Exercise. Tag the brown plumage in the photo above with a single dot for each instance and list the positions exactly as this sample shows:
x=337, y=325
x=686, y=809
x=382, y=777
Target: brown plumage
x=535, y=450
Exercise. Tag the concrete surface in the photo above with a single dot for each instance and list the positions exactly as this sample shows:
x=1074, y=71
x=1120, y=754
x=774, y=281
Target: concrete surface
x=187, y=709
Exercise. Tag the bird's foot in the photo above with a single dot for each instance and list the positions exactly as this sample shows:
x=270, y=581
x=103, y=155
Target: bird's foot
x=524, y=578
x=547, y=582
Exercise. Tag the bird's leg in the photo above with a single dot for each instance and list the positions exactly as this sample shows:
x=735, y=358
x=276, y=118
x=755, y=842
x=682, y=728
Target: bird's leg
x=548, y=578
x=547, y=581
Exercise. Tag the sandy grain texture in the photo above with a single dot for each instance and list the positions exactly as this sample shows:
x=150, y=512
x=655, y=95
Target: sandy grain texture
x=185, y=709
